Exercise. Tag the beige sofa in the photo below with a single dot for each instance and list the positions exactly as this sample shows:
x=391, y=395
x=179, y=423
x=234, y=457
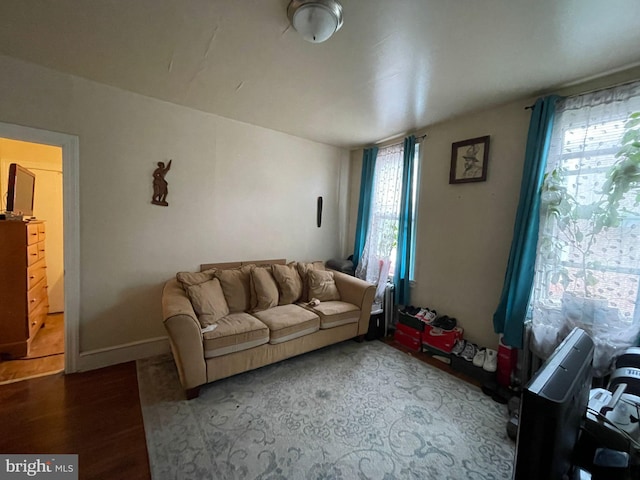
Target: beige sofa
x=234, y=317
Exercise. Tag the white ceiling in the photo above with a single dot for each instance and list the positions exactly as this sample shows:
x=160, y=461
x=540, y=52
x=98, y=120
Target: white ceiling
x=394, y=67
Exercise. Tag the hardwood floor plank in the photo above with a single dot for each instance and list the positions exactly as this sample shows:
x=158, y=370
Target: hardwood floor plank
x=45, y=357
x=95, y=414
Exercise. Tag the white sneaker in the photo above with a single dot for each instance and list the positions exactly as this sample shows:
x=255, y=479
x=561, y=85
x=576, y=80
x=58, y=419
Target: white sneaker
x=479, y=358
x=491, y=360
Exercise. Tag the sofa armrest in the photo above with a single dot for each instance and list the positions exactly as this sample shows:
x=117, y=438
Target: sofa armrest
x=358, y=292
x=185, y=335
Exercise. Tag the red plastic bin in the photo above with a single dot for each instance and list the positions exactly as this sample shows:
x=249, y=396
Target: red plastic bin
x=507, y=362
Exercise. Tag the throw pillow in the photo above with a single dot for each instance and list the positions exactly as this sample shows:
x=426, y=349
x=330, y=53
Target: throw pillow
x=195, y=278
x=264, y=289
x=322, y=285
x=289, y=283
x=303, y=270
x=208, y=301
x=236, y=286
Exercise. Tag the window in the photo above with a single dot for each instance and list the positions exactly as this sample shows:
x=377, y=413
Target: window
x=379, y=255
x=588, y=260
x=414, y=218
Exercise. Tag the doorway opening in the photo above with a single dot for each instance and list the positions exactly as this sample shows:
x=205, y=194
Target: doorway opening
x=52, y=253
x=44, y=351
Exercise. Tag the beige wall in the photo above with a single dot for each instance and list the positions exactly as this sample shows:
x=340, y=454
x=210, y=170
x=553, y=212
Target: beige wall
x=235, y=192
x=45, y=162
x=464, y=230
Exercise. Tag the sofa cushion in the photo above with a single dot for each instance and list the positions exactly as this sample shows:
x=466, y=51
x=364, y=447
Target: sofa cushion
x=335, y=313
x=195, y=278
x=236, y=286
x=208, y=301
x=234, y=333
x=322, y=285
x=303, y=270
x=264, y=289
x=287, y=322
x=289, y=283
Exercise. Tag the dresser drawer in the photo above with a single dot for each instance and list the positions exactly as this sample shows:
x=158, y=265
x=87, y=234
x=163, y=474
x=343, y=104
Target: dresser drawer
x=35, y=273
x=32, y=254
x=41, y=232
x=37, y=319
x=40, y=250
x=37, y=294
x=32, y=233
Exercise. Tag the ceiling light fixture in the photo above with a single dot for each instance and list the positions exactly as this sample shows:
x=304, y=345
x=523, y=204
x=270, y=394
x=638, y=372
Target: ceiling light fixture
x=315, y=20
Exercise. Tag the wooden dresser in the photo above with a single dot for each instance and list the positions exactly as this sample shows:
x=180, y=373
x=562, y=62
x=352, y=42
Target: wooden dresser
x=24, y=302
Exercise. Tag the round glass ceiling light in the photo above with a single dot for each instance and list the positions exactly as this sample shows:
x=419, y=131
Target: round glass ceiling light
x=315, y=20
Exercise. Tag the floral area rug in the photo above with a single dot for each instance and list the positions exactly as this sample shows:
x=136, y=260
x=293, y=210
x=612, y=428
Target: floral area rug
x=348, y=411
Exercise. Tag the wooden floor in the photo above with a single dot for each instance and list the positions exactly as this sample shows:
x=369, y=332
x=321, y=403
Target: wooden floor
x=95, y=414
x=46, y=355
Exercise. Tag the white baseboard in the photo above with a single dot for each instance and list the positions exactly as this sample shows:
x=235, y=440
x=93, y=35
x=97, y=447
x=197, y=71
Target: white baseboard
x=104, y=357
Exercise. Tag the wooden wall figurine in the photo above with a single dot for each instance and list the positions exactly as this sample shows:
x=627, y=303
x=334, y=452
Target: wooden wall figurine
x=160, y=185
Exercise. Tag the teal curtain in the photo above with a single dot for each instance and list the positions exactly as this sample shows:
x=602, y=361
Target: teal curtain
x=405, y=226
x=364, y=205
x=511, y=312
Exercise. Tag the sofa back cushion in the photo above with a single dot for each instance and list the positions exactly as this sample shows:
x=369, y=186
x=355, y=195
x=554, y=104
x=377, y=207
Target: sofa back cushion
x=264, y=289
x=208, y=301
x=322, y=285
x=289, y=283
x=236, y=286
x=195, y=278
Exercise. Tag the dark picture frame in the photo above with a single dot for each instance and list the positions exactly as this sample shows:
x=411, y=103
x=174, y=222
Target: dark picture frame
x=469, y=160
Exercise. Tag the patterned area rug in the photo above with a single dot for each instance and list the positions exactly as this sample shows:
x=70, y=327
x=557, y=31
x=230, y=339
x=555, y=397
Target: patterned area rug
x=348, y=411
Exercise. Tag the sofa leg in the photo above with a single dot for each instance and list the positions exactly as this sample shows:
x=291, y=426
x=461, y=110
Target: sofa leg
x=359, y=338
x=192, y=393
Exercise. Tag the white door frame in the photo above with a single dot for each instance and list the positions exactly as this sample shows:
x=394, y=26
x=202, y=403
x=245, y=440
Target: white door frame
x=71, y=228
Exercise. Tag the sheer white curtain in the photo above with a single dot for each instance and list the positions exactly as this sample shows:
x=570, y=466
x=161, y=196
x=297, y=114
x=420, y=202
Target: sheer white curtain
x=385, y=210
x=588, y=263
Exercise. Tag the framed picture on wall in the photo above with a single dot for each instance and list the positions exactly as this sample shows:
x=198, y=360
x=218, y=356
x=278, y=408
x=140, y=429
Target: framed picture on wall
x=469, y=160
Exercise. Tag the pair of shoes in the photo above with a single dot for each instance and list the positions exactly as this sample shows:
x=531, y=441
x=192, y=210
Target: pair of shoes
x=487, y=359
x=427, y=315
x=411, y=310
x=445, y=323
x=458, y=347
x=470, y=350
x=479, y=358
